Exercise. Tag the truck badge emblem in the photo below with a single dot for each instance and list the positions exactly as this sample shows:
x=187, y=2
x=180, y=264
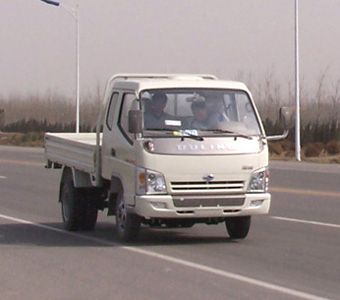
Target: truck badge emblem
x=209, y=177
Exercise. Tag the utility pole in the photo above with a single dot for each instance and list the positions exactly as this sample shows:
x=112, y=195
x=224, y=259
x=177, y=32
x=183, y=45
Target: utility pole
x=76, y=17
x=297, y=85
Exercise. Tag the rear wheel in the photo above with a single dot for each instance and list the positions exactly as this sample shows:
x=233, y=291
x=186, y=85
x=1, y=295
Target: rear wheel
x=127, y=224
x=77, y=210
x=69, y=199
x=238, y=227
x=89, y=212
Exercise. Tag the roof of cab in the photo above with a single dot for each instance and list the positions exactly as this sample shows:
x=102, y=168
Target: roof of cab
x=139, y=82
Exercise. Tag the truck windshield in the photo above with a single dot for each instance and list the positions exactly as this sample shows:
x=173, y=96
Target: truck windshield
x=198, y=111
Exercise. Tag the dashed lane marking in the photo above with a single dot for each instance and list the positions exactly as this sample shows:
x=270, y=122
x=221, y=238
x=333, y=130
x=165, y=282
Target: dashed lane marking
x=200, y=267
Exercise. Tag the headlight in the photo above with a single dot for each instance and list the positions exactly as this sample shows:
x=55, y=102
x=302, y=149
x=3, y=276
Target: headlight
x=150, y=182
x=259, y=181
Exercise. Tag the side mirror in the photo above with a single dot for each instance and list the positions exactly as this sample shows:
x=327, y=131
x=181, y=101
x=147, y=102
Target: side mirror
x=285, y=117
x=135, y=121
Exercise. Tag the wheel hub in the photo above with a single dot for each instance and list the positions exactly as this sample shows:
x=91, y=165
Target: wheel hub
x=121, y=215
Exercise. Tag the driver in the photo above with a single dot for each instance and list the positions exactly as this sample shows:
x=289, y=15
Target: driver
x=154, y=116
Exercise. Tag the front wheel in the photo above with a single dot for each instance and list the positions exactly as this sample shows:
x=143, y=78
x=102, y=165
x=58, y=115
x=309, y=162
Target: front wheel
x=238, y=227
x=127, y=224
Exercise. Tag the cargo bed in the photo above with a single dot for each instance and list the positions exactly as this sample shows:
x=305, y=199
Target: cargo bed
x=72, y=149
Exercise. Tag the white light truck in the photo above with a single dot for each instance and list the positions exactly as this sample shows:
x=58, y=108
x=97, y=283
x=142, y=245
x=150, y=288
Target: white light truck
x=170, y=150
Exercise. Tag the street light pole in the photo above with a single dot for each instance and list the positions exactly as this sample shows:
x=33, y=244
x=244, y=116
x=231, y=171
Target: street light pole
x=77, y=66
x=297, y=85
x=74, y=12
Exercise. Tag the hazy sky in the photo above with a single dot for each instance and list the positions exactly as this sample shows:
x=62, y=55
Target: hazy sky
x=223, y=37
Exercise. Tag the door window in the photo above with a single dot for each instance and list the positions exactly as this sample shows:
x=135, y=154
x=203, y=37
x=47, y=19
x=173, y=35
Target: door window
x=110, y=111
x=129, y=103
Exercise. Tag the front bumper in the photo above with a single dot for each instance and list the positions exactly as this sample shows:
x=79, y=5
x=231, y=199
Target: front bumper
x=162, y=206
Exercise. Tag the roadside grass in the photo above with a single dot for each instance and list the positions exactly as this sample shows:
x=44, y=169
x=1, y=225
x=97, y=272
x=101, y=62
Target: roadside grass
x=311, y=152
x=327, y=159
x=30, y=139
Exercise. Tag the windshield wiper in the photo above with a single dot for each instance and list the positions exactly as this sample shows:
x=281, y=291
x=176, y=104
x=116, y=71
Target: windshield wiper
x=233, y=133
x=178, y=133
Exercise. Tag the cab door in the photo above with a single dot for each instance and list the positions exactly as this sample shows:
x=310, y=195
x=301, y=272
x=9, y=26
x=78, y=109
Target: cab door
x=119, y=152
x=108, y=133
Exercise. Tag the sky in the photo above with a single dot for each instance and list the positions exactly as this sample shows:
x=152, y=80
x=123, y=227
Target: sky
x=233, y=39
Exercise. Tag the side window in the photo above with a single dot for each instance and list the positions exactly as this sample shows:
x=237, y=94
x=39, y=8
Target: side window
x=246, y=113
x=129, y=102
x=230, y=106
x=110, y=110
x=244, y=108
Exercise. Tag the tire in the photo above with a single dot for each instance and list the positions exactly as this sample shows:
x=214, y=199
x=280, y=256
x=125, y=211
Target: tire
x=69, y=198
x=88, y=213
x=238, y=227
x=77, y=210
x=127, y=224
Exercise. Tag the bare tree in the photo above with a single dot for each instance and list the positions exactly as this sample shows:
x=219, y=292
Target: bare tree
x=2, y=118
x=335, y=100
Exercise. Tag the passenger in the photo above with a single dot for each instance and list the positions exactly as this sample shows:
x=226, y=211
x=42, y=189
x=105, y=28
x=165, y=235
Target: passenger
x=217, y=114
x=154, y=116
x=201, y=116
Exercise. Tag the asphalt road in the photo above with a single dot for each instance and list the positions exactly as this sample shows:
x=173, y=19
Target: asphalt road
x=294, y=253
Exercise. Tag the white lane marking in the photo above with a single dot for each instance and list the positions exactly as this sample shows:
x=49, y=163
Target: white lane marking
x=84, y=237
x=305, y=221
x=3, y=177
x=178, y=261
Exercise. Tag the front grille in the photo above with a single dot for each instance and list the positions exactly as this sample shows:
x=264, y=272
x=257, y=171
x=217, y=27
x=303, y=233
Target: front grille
x=199, y=186
x=208, y=202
